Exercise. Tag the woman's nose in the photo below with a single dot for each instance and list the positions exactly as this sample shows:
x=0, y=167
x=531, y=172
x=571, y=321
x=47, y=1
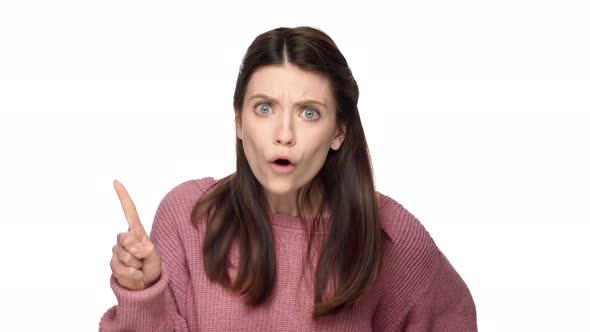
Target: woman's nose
x=284, y=133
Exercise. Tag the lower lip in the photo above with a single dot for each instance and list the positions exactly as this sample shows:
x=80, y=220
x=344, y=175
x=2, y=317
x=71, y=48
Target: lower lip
x=282, y=168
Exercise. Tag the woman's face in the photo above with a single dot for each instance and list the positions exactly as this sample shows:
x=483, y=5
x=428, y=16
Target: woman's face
x=287, y=113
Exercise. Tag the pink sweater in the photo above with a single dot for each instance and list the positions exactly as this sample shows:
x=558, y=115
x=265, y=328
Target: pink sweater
x=418, y=290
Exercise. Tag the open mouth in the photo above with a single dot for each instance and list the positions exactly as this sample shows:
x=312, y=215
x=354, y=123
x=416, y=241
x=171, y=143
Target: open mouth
x=283, y=165
x=282, y=162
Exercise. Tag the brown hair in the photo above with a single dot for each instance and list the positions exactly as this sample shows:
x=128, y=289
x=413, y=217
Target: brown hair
x=351, y=254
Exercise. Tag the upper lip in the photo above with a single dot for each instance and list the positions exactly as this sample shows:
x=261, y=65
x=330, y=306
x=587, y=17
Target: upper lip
x=277, y=157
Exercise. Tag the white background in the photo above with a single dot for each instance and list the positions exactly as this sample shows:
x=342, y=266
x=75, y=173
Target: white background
x=476, y=116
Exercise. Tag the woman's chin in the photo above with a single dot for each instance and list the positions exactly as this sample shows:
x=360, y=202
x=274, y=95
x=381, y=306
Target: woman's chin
x=280, y=190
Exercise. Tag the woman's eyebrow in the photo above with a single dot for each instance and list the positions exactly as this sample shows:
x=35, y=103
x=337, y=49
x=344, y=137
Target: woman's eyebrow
x=274, y=101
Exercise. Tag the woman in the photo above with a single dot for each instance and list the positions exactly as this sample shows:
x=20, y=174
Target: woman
x=295, y=239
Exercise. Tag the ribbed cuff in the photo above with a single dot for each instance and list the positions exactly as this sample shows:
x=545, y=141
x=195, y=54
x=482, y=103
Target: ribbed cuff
x=144, y=309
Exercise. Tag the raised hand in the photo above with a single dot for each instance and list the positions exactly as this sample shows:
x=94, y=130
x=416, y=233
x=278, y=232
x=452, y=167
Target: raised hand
x=136, y=262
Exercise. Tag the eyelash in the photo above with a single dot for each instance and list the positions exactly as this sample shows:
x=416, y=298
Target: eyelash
x=305, y=108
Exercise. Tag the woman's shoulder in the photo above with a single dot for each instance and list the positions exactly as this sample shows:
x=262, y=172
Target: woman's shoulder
x=397, y=222
x=191, y=187
x=405, y=234
x=187, y=192
x=408, y=246
x=176, y=207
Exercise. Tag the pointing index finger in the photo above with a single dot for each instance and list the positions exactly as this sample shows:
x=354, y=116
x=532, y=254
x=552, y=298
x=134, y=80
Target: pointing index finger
x=135, y=226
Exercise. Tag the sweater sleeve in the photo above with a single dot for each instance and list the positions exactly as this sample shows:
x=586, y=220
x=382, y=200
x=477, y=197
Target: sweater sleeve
x=158, y=307
x=420, y=289
x=446, y=305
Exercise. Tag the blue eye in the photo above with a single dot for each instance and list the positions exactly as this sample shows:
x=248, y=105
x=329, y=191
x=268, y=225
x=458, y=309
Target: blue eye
x=264, y=108
x=309, y=112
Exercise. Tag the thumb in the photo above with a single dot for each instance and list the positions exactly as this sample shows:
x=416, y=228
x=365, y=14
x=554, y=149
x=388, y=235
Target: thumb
x=151, y=262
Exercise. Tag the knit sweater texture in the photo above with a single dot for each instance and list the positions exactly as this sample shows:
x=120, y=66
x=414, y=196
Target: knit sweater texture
x=417, y=290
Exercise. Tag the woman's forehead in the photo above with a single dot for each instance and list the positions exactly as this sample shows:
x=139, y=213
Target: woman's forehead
x=280, y=81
